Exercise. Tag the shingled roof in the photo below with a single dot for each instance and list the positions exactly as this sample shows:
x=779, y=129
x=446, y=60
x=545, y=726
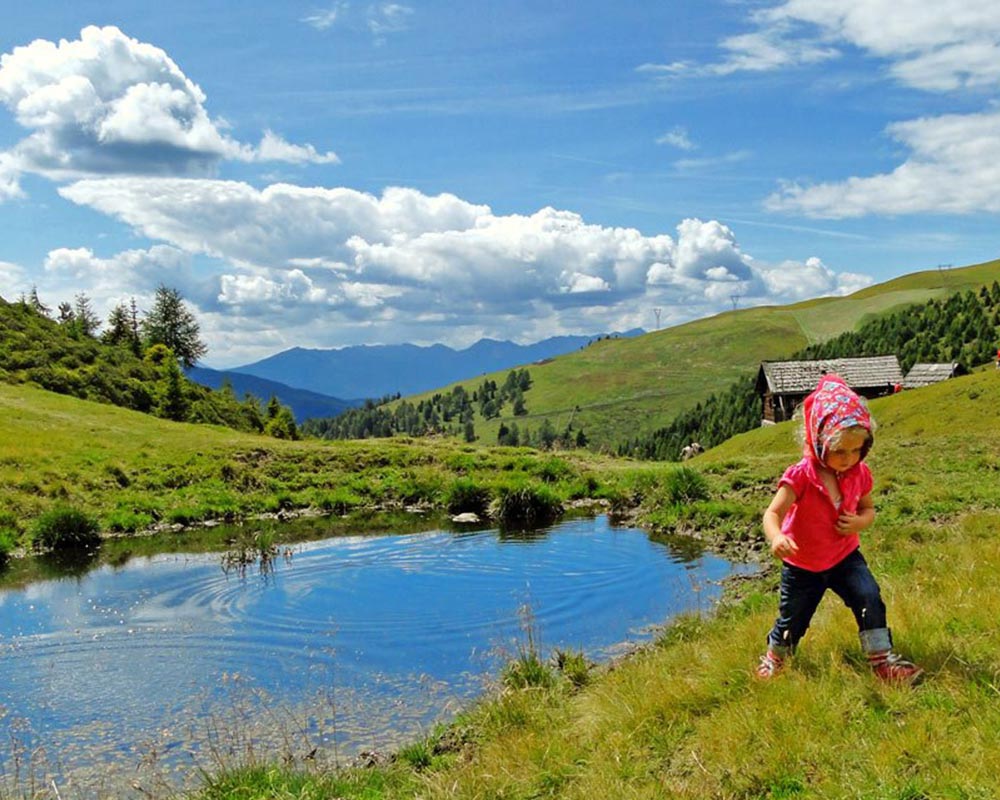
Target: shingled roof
x=926, y=374
x=801, y=377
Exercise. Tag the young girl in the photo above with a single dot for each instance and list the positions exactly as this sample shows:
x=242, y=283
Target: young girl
x=812, y=525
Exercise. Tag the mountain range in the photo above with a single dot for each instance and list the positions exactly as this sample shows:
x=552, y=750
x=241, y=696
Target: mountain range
x=374, y=371
x=303, y=403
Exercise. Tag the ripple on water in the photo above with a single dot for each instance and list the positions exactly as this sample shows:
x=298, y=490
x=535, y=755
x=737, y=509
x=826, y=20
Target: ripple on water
x=373, y=636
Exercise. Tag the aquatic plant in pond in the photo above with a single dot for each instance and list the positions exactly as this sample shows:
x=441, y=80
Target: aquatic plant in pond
x=528, y=668
x=573, y=666
x=251, y=548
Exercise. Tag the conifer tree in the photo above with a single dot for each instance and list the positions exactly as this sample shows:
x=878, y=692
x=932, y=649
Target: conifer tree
x=170, y=323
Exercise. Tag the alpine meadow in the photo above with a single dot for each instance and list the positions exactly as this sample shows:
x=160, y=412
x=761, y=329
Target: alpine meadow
x=500, y=400
x=120, y=454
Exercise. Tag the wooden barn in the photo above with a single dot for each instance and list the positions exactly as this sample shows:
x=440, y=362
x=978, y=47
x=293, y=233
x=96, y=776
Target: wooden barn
x=926, y=374
x=783, y=385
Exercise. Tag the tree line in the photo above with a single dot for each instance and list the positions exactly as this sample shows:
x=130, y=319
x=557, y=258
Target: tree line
x=449, y=413
x=135, y=362
x=962, y=328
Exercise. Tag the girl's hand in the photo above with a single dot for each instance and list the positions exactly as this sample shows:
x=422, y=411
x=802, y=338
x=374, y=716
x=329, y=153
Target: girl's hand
x=848, y=523
x=782, y=546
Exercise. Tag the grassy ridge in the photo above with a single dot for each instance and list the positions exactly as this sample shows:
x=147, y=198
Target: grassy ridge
x=619, y=388
x=686, y=719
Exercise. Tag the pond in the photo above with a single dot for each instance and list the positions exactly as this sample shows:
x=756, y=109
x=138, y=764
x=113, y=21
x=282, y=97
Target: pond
x=144, y=671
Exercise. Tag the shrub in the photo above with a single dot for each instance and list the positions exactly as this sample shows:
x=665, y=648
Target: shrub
x=418, y=756
x=586, y=487
x=339, y=501
x=118, y=475
x=8, y=540
x=685, y=485
x=465, y=495
x=525, y=506
x=64, y=528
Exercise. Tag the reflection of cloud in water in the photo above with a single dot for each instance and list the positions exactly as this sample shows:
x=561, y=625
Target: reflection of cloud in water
x=375, y=637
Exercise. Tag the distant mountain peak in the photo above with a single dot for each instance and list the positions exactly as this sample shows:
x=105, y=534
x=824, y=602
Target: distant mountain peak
x=361, y=371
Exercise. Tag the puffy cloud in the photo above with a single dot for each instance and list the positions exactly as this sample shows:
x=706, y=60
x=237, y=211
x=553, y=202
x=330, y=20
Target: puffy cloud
x=109, y=104
x=10, y=174
x=263, y=294
x=793, y=280
x=429, y=268
x=708, y=251
x=279, y=224
x=935, y=46
x=274, y=148
x=954, y=167
x=12, y=276
x=131, y=273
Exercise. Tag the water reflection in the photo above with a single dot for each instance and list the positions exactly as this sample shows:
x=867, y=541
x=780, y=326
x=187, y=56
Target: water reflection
x=357, y=642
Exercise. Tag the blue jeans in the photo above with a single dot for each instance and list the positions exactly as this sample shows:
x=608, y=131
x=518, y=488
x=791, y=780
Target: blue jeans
x=801, y=591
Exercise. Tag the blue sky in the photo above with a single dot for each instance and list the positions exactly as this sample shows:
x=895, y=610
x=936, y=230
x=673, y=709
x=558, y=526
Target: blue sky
x=323, y=174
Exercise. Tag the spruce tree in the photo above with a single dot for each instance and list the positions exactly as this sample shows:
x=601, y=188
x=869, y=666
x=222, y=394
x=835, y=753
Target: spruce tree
x=170, y=323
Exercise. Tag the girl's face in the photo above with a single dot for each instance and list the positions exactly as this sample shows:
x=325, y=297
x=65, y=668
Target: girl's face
x=847, y=451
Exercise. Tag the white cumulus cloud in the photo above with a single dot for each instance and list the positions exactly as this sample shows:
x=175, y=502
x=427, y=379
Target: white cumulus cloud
x=109, y=104
x=954, y=167
x=430, y=268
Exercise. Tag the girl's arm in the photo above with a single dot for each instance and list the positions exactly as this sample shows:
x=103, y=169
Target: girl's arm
x=780, y=544
x=864, y=516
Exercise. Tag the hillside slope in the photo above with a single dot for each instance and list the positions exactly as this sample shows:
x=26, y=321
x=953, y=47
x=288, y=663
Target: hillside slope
x=619, y=388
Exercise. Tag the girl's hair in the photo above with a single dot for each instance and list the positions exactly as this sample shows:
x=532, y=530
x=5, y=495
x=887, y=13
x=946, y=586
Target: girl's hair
x=834, y=440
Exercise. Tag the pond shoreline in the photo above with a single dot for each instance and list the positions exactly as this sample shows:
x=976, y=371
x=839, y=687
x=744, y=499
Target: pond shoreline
x=599, y=554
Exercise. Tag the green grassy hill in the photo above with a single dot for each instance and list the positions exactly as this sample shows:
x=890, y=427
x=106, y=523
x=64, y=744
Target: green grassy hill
x=620, y=388
x=686, y=718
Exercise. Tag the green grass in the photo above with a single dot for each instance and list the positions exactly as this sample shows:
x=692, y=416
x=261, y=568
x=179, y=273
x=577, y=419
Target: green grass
x=128, y=471
x=686, y=719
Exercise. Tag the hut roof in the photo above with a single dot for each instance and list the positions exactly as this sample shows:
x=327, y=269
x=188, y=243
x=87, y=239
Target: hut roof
x=926, y=374
x=801, y=377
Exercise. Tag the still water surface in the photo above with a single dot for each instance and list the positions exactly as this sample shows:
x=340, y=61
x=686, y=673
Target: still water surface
x=351, y=643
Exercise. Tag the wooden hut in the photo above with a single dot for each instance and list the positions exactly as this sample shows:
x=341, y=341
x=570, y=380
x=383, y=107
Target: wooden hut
x=926, y=374
x=783, y=385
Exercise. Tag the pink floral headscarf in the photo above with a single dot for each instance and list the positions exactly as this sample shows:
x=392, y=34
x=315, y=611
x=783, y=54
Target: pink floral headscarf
x=831, y=408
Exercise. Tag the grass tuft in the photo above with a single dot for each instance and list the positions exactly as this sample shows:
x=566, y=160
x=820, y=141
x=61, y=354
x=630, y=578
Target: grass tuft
x=65, y=528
